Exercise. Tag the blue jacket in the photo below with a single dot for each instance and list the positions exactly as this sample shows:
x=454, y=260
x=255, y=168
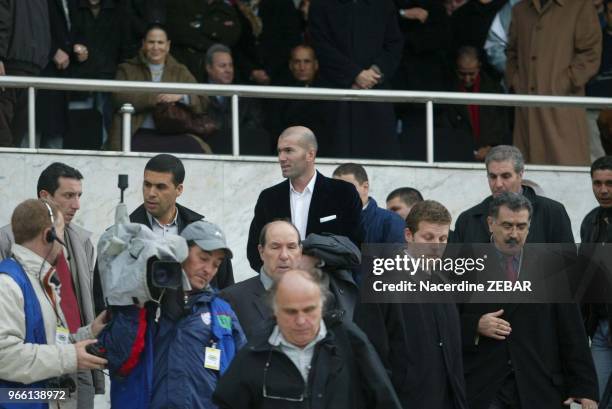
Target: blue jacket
x=180, y=379
x=161, y=365
x=381, y=225
x=35, y=327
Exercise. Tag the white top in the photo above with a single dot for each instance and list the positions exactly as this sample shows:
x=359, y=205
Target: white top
x=300, y=204
x=301, y=357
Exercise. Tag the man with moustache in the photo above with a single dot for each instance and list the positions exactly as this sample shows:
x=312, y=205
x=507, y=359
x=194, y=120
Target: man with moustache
x=521, y=355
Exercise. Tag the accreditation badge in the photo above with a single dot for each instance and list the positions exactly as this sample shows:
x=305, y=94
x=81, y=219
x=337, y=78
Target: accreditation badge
x=62, y=336
x=212, y=358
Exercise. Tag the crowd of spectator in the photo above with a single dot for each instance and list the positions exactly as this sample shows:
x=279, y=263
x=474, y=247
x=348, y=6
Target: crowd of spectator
x=301, y=331
x=479, y=46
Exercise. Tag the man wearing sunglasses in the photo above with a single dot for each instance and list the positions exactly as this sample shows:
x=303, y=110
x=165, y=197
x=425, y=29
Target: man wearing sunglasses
x=305, y=361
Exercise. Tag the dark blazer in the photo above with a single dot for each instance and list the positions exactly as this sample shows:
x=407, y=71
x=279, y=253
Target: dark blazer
x=420, y=346
x=345, y=373
x=331, y=197
x=224, y=277
x=248, y=300
x=547, y=351
x=348, y=37
x=549, y=222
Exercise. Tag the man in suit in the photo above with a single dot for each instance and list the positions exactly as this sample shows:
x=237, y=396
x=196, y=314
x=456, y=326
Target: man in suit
x=62, y=185
x=523, y=355
x=505, y=166
x=313, y=202
x=420, y=344
x=280, y=250
x=162, y=185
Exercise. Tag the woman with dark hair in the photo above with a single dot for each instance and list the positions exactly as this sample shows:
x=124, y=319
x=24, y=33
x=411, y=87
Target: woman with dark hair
x=154, y=63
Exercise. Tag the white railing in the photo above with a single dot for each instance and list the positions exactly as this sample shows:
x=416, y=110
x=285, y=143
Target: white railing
x=236, y=91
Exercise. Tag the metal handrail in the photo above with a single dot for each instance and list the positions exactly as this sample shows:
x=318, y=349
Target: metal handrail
x=236, y=91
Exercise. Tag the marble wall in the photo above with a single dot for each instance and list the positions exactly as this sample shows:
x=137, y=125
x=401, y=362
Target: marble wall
x=225, y=191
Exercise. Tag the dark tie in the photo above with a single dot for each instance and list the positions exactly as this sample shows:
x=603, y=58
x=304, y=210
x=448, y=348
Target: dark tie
x=511, y=273
x=68, y=302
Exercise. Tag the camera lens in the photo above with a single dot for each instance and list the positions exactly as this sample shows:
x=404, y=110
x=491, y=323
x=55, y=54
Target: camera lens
x=161, y=277
x=166, y=274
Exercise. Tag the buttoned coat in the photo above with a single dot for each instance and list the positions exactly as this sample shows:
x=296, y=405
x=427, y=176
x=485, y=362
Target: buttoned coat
x=553, y=50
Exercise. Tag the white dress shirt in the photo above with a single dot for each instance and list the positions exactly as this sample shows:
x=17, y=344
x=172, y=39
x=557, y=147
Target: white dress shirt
x=300, y=204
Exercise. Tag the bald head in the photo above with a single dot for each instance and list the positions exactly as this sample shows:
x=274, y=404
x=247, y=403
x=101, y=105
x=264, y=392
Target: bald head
x=302, y=136
x=298, y=299
x=297, y=149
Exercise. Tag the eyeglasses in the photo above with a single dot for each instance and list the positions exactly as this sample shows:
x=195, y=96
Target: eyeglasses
x=299, y=398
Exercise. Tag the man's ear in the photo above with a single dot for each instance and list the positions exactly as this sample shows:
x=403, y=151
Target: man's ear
x=312, y=154
x=179, y=189
x=43, y=194
x=260, y=249
x=490, y=223
x=408, y=235
x=366, y=185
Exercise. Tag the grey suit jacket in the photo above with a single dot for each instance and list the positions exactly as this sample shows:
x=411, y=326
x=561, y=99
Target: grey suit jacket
x=248, y=300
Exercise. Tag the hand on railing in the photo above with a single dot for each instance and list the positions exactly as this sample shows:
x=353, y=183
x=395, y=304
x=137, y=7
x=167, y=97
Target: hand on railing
x=2, y=71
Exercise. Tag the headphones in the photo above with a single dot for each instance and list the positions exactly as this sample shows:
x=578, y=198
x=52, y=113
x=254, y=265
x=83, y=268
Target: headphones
x=51, y=235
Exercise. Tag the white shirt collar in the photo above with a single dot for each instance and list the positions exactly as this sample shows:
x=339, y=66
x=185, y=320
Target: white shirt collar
x=309, y=186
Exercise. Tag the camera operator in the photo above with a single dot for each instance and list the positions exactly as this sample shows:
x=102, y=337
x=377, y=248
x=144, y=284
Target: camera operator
x=35, y=345
x=190, y=339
